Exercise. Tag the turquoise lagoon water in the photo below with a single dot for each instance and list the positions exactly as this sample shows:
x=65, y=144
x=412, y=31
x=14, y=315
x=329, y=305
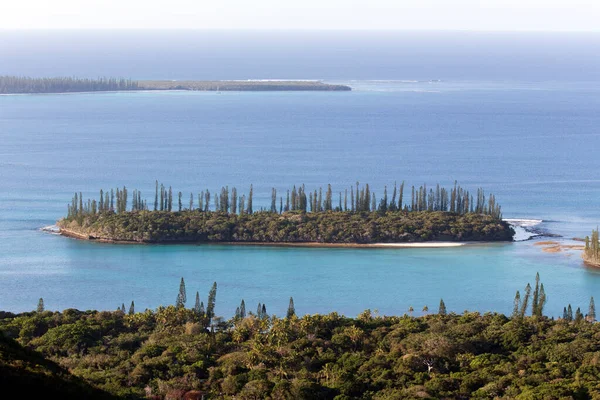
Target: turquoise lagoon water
x=533, y=144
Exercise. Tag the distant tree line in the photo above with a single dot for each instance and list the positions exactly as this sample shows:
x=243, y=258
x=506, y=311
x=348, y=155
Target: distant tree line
x=353, y=199
x=23, y=84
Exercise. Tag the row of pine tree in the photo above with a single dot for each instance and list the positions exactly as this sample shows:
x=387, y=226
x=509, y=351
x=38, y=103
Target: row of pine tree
x=353, y=199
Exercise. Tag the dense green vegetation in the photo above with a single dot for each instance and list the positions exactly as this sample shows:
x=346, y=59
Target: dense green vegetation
x=22, y=84
x=358, y=217
x=591, y=253
x=37, y=377
x=174, y=352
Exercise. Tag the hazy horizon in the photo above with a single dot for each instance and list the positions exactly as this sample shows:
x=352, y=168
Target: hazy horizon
x=472, y=15
x=293, y=54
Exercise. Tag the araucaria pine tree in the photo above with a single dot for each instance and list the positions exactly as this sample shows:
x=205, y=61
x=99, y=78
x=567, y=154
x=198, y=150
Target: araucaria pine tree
x=516, y=305
x=132, y=308
x=250, y=200
x=442, y=310
x=181, y=296
x=291, y=309
x=197, y=305
x=536, y=295
x=591, y=315
x=212, y=298
x=525, y=300
x=242, y=309
x=40, y=306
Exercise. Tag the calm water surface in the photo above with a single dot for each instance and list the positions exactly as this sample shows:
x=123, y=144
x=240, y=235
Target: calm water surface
x=533, y=145
x=532, y=140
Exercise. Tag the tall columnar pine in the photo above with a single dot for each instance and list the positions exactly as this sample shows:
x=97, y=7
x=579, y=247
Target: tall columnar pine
x=156, y=197
x=234, y=200
x=162, y=197
x=320, y=200
x=242, y=309
x=259, y=311
x=525, y=301
x=516, y=305
x=212, y=298
x=442, y=309
x=180, y=204
x=569, y=313
x=291, y=311
x=181, y=296
x=197, y=304
x=263, y=311
x=250, y=200
x=40, y=306
x=328, y=199
x=242, y=205
x=170, y=200
x=123, y=308
x=541, y=301
x=591, y=315
x=273, y=200
x=345, y=199
x=535, y=295
x=132, y=308
x=191, y=201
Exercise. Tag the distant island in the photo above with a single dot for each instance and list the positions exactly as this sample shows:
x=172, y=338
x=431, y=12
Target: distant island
x=27, y=85
x=300, y=218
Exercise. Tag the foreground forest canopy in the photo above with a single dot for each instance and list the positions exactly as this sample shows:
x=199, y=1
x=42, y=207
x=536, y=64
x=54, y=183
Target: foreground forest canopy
x=355, y=216
x=179, y=353
x=22, y=84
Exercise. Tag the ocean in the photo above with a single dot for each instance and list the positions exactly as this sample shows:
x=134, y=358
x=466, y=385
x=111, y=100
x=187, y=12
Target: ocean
x=515, y=114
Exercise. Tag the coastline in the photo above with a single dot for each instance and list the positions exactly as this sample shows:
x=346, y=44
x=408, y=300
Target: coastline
x=213, y=86
x=409, y=245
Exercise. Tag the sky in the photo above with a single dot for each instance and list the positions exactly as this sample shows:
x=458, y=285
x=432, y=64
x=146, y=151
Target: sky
x=469, y=15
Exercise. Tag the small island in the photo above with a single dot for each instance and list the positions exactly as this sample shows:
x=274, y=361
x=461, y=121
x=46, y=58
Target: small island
x=301, y=217
x=27, y=85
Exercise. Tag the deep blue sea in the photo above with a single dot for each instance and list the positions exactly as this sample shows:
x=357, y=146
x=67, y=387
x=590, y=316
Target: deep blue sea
x=515, y=114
